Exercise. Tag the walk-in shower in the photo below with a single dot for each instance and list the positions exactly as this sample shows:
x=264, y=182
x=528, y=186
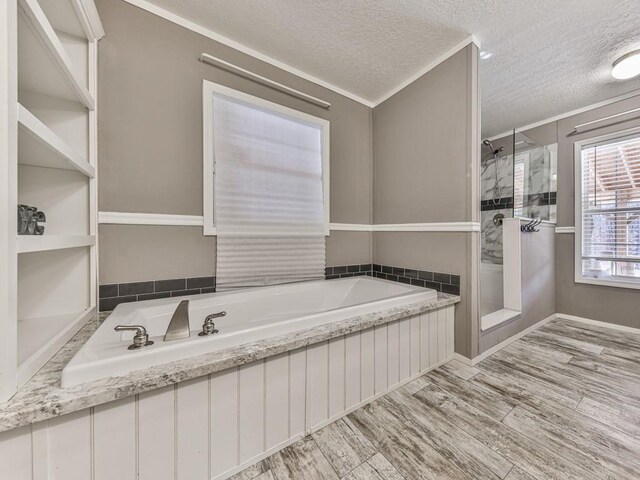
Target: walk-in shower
x=518, y=179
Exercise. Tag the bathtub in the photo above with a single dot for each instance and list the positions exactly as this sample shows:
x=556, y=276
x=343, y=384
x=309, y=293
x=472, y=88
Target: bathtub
x=252, y=315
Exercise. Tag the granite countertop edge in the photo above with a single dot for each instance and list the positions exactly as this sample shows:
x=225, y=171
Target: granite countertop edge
x=42, y=397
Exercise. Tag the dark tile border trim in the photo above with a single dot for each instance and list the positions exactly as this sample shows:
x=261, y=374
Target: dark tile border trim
x=112, y=295
x=442, y=282
x=532, y=200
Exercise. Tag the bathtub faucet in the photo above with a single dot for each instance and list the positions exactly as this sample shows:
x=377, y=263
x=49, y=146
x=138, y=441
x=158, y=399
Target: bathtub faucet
x=179, y=325
x=208, y=327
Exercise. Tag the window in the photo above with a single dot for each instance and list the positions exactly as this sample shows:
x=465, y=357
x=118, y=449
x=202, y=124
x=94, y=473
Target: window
x=521, y=163
x=608, y=210
x=276, y=167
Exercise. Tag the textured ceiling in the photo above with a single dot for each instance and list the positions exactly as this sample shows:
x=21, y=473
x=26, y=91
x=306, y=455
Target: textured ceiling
x=549, y=56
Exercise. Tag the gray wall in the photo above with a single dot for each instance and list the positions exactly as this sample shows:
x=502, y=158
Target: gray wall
x=420, y=149
x=607, y=304
x=136, y=253
x=150, y=142
x=423, y=173
x=150, y=145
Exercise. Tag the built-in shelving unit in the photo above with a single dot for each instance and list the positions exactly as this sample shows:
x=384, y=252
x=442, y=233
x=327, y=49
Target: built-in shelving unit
x=48, y=283
x=39, y=146
x=41, y=56
x=45, y=243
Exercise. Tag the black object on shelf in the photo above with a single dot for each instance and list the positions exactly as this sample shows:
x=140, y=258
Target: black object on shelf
x=29, y=219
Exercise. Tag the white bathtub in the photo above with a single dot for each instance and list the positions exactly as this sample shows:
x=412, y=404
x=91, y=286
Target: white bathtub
x=252, y=315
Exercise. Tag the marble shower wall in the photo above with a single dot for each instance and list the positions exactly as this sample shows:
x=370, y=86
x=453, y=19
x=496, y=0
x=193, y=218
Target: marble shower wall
x=496, y=198
x=540, y=182
x=535, y=186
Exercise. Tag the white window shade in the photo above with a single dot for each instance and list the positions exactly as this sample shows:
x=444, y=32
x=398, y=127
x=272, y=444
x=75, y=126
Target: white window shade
x=518, y=187
x=269, y=192
x=610, y=209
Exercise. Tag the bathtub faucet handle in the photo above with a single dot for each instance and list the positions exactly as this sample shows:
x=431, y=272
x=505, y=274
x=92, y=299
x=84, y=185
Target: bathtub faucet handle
x=140, y=339
x=208, y=327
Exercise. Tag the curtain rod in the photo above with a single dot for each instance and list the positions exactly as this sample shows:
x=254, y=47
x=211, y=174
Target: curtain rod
x=594, y=123
x=229, y=67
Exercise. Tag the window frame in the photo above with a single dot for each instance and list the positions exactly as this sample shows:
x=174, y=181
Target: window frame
x=208, y=164
x=579, y=146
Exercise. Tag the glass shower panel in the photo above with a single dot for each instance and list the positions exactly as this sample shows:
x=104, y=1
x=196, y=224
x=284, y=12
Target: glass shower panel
x=535, y=178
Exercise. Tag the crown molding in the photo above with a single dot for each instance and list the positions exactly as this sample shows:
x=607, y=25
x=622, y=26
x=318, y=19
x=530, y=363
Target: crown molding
x=445, y=56
x=194, y=27
x=562, y=116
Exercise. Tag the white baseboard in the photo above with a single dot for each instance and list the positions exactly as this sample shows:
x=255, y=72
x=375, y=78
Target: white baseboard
x=599, y=323
x=474, y=361
x=462, y=359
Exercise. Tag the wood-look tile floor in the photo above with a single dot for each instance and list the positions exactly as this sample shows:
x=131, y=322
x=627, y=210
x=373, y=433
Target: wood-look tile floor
x=561, y=403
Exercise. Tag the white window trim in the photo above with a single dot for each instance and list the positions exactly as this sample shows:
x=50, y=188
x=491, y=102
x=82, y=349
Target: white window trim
x=577, y=151
x=208, y=89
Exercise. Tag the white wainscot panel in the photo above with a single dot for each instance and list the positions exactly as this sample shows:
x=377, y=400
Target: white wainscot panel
x=336, y=376
x=277, y=408
x=156, y=434
x=224, y=421
x=192, y=429
x=114, y=430
x=214, y=426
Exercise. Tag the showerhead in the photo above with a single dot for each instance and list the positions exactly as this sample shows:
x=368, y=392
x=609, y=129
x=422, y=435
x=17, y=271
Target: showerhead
x=488, y=143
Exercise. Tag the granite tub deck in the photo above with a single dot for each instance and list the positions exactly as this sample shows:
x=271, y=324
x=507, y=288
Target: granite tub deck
x=42, y=397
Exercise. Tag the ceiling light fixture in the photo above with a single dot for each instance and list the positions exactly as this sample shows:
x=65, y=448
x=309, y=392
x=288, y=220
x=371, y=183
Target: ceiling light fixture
x=485, y=55
x=627, y=66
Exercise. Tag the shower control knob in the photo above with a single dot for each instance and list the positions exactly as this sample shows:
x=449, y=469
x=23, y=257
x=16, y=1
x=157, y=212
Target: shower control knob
x=208, y=327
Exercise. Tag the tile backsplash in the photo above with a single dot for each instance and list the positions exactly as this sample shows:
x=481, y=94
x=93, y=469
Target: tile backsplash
x=442, y=282
x=113, y=294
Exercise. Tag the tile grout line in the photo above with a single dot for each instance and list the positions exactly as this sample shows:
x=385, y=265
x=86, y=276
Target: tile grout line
x=325, y=457
x=513, y=465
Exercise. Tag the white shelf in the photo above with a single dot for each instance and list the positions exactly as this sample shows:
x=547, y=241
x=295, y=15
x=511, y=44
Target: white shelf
x=76, y=17
x=67, y=16
x=40, y=338
x=44, y=243
x=39, y=146
x=43, y=64
x=498, y=317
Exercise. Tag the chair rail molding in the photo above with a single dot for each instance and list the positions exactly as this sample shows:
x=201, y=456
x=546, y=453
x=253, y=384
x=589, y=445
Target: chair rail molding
x=130, y=218
x=126, y=218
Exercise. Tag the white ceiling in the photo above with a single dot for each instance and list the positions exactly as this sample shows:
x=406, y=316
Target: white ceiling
x=549, y=56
